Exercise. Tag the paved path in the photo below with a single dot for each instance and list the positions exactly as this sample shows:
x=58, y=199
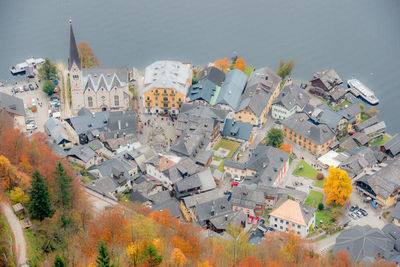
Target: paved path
x=16, y=228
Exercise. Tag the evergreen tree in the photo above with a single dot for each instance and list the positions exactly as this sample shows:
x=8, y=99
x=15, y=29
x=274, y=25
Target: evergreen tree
x=48, y=71
x=151, y=257
x=64, y=187
x=39, y=198
x=103, y=260
x=59, y=262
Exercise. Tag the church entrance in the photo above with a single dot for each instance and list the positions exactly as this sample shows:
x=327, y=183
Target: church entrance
x=103, y=109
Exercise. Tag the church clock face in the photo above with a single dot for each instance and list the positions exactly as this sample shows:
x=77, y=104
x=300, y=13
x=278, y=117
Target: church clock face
x=103, y=98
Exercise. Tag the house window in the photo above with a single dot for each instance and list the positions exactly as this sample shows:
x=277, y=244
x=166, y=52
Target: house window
x=298, y=226
x=148, y=98
x=90, y=101
x=281, y=227
x=173, y=105
x=156, y=97
x=116, y=100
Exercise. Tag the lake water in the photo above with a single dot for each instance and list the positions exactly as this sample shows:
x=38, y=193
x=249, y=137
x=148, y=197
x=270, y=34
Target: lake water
x=359, y=38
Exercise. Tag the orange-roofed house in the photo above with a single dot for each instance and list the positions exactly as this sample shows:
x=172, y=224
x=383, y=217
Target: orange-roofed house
x=293, y=216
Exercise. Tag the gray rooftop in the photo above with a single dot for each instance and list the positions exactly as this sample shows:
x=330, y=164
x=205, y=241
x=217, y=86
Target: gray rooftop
x=213, y=208
x=12, y=104
x=393, y=145
x=378, y=127
x=190, y=143
x=84, y=153
x=231, y=92
x=362, y=125
x=56, y=131
x=299, y=123
x=385, y=181
x=351, y=111
x=212, y=74
x=291, y=96
x=363, y=243
x=107, y=78
x=396, y=211
x=237, y=129
x=329, y=78
x=360, y=159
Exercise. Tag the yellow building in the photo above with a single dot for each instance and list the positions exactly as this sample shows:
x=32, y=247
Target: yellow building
x=261, y=91
x=166, y=84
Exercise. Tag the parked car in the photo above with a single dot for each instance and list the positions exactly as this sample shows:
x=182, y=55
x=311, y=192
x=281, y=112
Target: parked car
x=303, y=86
x=351, y=133
x=353, y=216
x=255, y=221
x=26, y=88
x=353, y=208
x=31, y=126
x=364, y=212
x=359, y=214
x=250, y=220
x=31, y=87
x=55, y=98
x=236, y=179
x=234, y=183
x=30, y=121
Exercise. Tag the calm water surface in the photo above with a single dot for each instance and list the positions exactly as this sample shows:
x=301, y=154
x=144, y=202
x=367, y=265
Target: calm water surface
x=358, y=38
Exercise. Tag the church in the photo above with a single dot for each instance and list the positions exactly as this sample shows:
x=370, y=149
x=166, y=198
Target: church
x=97, y=89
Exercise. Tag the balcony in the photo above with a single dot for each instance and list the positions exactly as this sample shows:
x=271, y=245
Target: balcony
x=165, y=101
x=148, y=100
x=155, y=93
x=165, y=94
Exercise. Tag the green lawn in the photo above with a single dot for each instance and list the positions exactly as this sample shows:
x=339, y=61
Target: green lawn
x=232, y=146
x=306, y=171
x=248, y=70
x=380, y=142
x=6, y=240
x=319, y=183
x=314, y=195
x=324, y=216
x=33, y=243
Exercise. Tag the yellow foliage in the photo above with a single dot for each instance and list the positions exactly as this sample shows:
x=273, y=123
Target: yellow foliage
x=204, y=264
x=17, y=195
x=92, y=265
x=178, y=258
x=337, y=187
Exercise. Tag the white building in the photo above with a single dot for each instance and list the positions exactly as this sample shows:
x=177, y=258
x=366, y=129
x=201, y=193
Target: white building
x=156, y=167
x=293, y=216
x=291, y=99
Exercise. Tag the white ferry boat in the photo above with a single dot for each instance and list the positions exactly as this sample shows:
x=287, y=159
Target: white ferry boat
x=30, y=62
x=364, y=91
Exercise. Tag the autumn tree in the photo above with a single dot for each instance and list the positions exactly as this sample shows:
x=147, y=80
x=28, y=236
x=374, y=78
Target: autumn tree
x=39, y=198
x=250, y=261
x=240, y=64
x=63, y=186
x=274, y=137
x=285, y=69
x=286, y=148
x=17, y=195
x=103, y=260
x=89, y=60
x=178, y=258
x=337, y=187
x=222, y=64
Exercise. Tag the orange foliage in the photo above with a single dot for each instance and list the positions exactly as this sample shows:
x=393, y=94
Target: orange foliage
x=164, y=217
x=222, y=64
x=240, y=64
x=286, y=148
x=250, y=261
x=341, y=259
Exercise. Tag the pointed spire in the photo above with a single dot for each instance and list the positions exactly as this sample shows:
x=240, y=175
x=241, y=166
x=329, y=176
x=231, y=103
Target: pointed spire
x=73, y=49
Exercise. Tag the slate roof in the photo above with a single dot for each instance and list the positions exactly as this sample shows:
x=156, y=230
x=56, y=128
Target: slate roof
x=193, y=200
x=73, y=50
x=247, y=197
x=231, y=92
x=12, y=104
x=237, y=129
x=365, y=124
x=213, y=75
x=337, y=93
x=325, y=115
x=294, y=211
x=348, y=143
x=167, y=74
x=107, y=78
x=136, y=196
x=219, y=207
x=328, y=77
x=291, y=96
x=386, y=180
x=361, y=138
x=396, y=211
x=204, y=90
x=393, y=145
x=190, y=143
x=262, y=78
x=360, y=159
x=206, y=180
x=363, y=243
x=84, y=153
x=351, y=111
x=188, y=183
x=299, y=123
x=170, y=205
x=56, y=130
x=379, y=127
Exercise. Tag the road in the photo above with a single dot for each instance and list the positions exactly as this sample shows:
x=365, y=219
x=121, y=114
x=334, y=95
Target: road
x=19, y=238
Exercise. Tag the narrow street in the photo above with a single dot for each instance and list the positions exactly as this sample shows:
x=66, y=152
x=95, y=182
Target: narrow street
x=18, y=233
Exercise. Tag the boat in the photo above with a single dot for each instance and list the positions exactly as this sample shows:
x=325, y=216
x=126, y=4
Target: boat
x=363, y=91
x=30, y=62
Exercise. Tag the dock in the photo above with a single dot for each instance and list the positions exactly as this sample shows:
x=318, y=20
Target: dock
x=355, y=92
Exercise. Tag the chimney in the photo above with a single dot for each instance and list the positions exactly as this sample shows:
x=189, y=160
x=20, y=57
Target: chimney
x=119, y=125
x=258, y=91
x=212, y=211
x=226, y=217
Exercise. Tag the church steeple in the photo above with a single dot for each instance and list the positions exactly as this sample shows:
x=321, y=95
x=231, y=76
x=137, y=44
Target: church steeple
x=73, y=49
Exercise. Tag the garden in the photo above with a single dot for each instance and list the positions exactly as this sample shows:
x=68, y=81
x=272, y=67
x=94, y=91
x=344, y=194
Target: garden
x=305, y=170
